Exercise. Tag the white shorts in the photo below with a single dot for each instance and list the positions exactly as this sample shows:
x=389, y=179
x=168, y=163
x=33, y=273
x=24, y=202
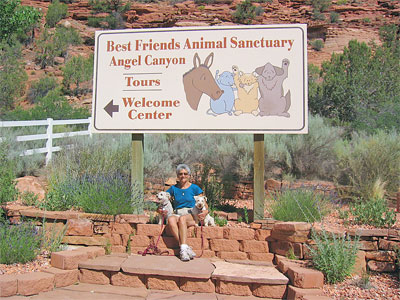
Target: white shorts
x=181, y=212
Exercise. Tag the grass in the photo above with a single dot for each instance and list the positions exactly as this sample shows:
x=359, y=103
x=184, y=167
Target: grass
x=300, y=205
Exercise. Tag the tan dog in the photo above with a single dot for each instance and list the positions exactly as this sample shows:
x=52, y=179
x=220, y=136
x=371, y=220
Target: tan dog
x=198, y=208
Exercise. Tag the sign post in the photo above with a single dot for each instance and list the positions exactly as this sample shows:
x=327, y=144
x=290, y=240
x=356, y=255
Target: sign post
x=228, y=79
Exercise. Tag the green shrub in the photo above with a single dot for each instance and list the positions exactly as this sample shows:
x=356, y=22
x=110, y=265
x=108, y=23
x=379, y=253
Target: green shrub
x=8, y=190
x=334, y=17
x=29, y=198
x=77, y=70
x=41, y=88
x=317, y=44
x=116, y=13
x=299, y=205
x=360, y=87
x=16, y=19
x=12, y=76
x=60, y=195
x=18, y=243
x=56, y=12
x=367, y=159
x=246, y=12
x=52, y=45
x=321, y=5
x=305, y=156
x=373, y=211
x=333, y=255
x=51, y=237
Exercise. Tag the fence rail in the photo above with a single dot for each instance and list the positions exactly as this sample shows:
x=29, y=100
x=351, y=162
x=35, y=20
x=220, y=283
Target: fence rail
x=49, y=135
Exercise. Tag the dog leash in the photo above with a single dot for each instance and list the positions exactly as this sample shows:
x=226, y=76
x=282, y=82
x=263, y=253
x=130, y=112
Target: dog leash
x=152, y=249
x=202, y=238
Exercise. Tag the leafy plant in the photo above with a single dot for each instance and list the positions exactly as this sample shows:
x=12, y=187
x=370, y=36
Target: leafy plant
x=246, y=12
x=368, y=158
x=334, y=17
x=29, y=198
x=299, y=205
x=246, y=215
x=41, y=88
x=16, y=19
x=373, y=211
x=317, y=44
x=8, y=191
x=333, y=255
x=12, y=75
x=115, y=9
x=52, y=237
x=221, y=222
x=77, y=70
x=56, y=12
x=18, y=243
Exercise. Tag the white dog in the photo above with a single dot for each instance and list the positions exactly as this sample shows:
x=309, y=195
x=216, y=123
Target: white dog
x=198, y=208
x=165, y=203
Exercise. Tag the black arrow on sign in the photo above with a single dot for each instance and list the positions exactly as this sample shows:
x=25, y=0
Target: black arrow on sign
x=110, y=108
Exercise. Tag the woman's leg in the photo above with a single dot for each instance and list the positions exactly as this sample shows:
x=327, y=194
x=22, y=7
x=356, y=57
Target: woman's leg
x=173, y=227
x=183, y=223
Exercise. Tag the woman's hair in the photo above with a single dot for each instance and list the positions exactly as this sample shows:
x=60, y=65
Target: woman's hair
x=182, y=167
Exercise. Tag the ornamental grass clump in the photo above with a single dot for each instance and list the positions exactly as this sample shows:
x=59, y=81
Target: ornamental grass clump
x=333, y=255
x=18, y=243
x=300, y=205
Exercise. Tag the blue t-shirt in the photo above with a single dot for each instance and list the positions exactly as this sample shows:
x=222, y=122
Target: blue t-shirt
x=185, y=197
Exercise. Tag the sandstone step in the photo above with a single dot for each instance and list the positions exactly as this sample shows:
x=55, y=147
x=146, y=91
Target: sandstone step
x=243, y=273
x=104, y=263
x=200, y=268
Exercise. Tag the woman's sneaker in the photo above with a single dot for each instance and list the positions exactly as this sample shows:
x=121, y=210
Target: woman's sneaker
x=191, y=252
x=184, y=254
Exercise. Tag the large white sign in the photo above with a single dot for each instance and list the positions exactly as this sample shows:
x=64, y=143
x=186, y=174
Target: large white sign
x=241, y=79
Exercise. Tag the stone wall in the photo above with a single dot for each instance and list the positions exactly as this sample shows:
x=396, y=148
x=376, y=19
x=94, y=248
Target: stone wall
x=262, y=240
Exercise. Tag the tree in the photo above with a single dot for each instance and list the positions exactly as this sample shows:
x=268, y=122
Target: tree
x=115, y=9
x=16, y=19
x=76, y=71
x=361, y=86
x=12, y=75
x=56, y=12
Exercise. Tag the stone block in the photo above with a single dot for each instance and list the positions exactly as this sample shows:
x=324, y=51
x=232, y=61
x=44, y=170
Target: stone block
x=165, y=242
x=80, y=227
x=8, y=285
x=232, y=255
x=197, y=285
x=93, y=251
x=233, y=288
x=292, y=226
x=360, y=265
x=198, y=243
x=204, y=253
x=85, y=240
x=126, y=279
x=118, y=249
x=35, y=282
x=254, y=246
x=94, y=276
x=68, y=260
x=125, y=238
x=148, y=229
x=101, y=228
x=210, y=232
x=167, y=283
x=368, y=245
x=239, y=234
x=232, y=216
x=363, y=232
x=388, y=245
x=140, y=241
x=121, y=228
x=381, y=255
x=268, y=257
x=381, y=266
x=280, y=247
x=295, y=293
x=63, y=277
x=115, y=239
x=305, y=278
x=133, y=219
x=224, y=245
x=262, y=234
x=269, y=291
x=295, y=237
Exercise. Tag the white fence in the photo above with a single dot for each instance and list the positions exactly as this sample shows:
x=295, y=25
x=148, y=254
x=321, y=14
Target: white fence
x=49, y=135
